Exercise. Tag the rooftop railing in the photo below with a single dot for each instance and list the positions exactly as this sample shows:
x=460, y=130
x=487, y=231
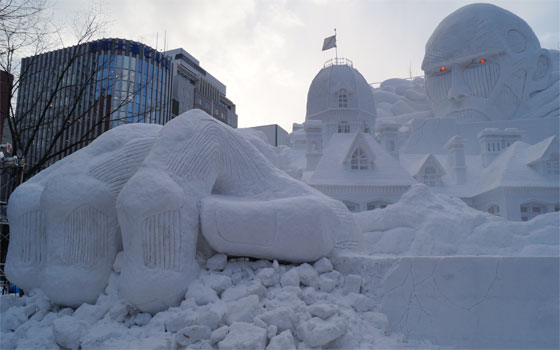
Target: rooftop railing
x=338, y=61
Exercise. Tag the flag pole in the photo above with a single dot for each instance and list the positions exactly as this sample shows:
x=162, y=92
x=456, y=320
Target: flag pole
x=335, y=46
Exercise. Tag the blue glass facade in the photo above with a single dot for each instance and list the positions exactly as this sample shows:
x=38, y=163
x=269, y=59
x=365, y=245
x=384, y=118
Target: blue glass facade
x=68, y=97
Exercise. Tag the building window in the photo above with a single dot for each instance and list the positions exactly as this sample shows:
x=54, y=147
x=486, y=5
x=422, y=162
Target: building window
x=353, y=207
x=376, y=205
x=359, y=160
x=530, y=210
x=342, y=99
x=430, y=176
x=552, y=165
x=494, y=209
x=343, y=128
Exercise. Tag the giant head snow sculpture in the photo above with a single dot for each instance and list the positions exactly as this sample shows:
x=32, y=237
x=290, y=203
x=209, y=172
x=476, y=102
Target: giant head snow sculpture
x=485, y=63
x=153, y=190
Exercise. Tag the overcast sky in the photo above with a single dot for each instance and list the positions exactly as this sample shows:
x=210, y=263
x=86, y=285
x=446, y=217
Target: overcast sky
x=267, y=51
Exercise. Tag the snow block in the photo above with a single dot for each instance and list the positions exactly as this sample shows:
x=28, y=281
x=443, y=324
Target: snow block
x=68, y=331
x=318, y=332
x=282, y=341
x=467, y=302
x=243, y=335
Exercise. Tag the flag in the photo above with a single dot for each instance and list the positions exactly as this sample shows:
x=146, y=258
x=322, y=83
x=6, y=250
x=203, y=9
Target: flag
x=329, y=42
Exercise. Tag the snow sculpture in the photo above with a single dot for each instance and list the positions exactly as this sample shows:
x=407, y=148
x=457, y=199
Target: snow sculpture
x=485, y=63
x=164, y=186
x=64, y=231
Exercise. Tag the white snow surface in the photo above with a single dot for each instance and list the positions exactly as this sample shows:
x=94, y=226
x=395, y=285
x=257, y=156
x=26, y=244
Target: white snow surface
x=246, y=315
x=424, y=223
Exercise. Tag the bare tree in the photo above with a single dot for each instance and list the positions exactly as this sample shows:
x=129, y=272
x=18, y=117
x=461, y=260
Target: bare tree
x=60, y=108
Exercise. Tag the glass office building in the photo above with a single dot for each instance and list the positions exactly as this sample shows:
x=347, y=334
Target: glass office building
x=70, y=96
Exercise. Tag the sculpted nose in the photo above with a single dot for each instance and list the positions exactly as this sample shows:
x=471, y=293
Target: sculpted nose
x=459, y=89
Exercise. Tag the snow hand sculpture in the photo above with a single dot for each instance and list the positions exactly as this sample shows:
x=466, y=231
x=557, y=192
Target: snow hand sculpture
x=154, y=189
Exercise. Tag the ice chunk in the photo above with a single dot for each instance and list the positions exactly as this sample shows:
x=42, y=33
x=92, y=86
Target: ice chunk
x=191, y=334
x=217, y=262
x=290, y=278
x=281, y=317
x=318, y=332
x=217, y=282
x=219, y=334
x=268, y=276
x=201, y=294
x=307, y=275
x=243, y=335
x=68, y=331
x=323, y=265
x=283, y=341
x=322, y=309
x=242, y=310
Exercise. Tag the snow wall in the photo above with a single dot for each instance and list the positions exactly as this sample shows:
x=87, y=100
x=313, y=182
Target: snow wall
x=465, y=301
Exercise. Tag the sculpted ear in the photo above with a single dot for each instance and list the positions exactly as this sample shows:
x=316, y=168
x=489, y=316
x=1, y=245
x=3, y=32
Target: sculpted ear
x=544, y=64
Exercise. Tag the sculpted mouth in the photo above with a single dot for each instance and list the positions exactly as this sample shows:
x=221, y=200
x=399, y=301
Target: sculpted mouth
x=468, y=115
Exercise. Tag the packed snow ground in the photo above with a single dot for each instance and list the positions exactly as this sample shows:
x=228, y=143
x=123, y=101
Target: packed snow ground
x=235, y=304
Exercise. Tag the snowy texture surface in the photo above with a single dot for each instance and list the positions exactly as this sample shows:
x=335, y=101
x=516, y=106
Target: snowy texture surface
x=402, y=100
x=164, y=185
x=423, y=223
x=465, y=302
x=275, y=317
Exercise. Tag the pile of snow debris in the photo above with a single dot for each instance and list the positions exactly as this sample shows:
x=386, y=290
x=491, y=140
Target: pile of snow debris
x=423, y=223
x=236, y=304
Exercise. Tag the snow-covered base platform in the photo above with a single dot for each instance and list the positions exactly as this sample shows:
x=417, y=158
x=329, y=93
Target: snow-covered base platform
x=465, y=301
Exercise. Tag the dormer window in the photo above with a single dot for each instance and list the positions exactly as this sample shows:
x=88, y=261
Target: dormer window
x=430, y=176
x=342, y=99
x=359, y=160
x=343, y=128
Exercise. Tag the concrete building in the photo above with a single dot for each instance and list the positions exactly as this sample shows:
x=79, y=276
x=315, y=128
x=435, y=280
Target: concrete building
x=194, y=87
x=274, y=133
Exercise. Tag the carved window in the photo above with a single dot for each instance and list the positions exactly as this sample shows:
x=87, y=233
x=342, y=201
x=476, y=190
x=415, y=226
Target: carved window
x=530, y=210
x=342, y=99
x=359, y=160
x=552, y=165
x=376, y=205
x=343, y=128
x=353, y=207
x=494, y=209
x=430, y=176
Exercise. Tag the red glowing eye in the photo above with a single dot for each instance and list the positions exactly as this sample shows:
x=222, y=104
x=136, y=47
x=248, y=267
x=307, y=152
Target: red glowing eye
x=442, y=69
x=482, y=60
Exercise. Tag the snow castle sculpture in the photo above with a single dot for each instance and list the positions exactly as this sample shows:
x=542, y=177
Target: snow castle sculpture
x=153, y=189
x=484, y=63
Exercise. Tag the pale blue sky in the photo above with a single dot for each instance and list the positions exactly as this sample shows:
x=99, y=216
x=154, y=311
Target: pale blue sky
x=267, y=52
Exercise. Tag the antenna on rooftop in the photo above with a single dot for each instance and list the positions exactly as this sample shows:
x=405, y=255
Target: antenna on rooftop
x=165, y=40
x=156, y=40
